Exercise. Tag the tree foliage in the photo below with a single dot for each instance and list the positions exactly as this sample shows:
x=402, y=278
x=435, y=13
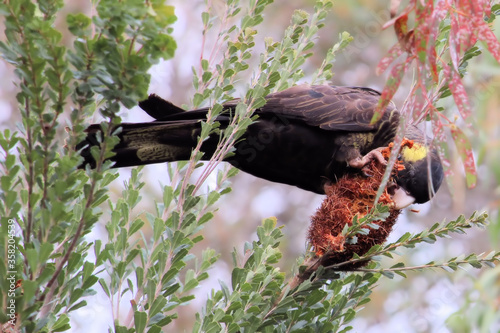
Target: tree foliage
x=55, y=206
x=444, y=37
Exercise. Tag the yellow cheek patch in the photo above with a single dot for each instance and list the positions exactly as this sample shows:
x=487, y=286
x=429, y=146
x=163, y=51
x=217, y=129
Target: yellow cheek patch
x=415, y=153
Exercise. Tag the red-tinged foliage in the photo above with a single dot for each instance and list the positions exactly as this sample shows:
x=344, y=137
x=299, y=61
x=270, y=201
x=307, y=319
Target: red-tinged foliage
x=454, y=42
x=464, y=149
x=394, y=7
x=489, y=37
x=404, y=36
x=422, y=32
x=419, y=100
x=432, y=55
x=436, y=17
x=440, y=11
x=405, y=42
x=394, y=52
x=459, y=94
x=390, y=89
x=425, y=47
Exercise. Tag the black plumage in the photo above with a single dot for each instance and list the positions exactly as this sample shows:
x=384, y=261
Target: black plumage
x=304, y=136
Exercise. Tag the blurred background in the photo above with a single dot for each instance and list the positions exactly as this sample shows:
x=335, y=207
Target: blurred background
x=432, y=301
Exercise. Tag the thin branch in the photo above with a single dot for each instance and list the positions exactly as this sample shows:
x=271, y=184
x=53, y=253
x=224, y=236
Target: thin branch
x=51, y=285
x=493, y=260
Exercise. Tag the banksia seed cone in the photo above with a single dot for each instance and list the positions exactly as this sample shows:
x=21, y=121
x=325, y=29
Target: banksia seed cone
x=353, y=194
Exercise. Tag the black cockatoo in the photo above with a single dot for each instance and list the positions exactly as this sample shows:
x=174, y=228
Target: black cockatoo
x=305, y=136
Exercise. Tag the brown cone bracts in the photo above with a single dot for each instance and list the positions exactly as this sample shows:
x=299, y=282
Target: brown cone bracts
x=353, y=194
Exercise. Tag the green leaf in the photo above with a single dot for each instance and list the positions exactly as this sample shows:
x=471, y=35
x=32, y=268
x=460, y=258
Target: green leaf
x=168, y=194
x=104, y=287
x=136, y=226
x=62, y=324
x=157, y=305
x=158, y=228
x=78, y=24
x=387, y=274
x=140, y=320
x=464, y=148
x=78, y=305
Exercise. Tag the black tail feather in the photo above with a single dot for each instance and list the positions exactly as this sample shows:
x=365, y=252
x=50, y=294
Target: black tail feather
x=148, y=143
x=159, y=108
x=171, y=137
